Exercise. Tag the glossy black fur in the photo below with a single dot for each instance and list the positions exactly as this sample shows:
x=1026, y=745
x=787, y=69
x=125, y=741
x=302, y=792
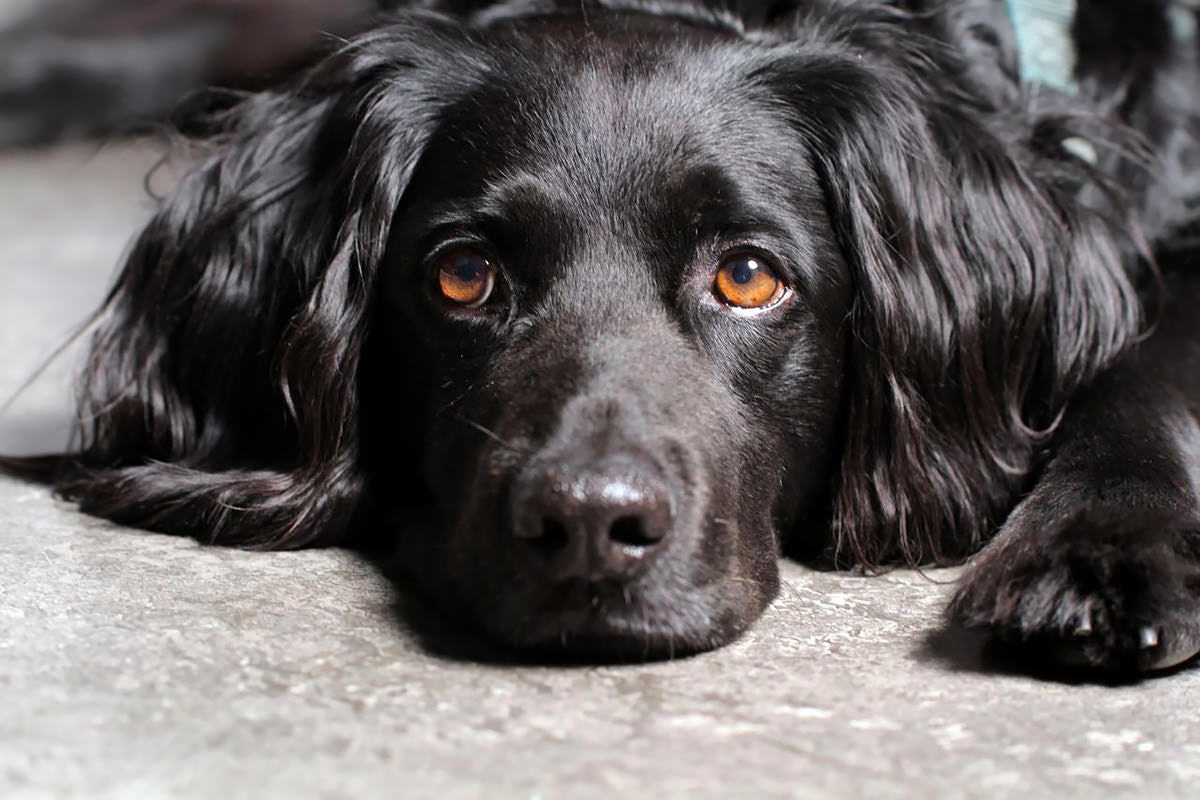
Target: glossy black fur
x=968, y=326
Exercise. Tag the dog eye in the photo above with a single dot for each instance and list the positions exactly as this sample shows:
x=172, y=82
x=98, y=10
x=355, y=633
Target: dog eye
x=466, y=278
x=746, y=281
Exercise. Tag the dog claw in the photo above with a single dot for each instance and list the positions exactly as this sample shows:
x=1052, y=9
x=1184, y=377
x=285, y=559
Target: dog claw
x=1148, y=638
x=1080, y=148
x=1084, y=628
x=1165, y=652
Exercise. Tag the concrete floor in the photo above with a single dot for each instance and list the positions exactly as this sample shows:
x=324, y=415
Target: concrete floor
x=138, y=665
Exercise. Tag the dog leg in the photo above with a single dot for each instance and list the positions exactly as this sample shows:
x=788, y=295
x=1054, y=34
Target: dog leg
x=1099, y=566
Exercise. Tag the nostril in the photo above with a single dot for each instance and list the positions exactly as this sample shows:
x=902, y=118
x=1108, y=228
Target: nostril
x=552, y=538
x=631, y=530
x=590, y=523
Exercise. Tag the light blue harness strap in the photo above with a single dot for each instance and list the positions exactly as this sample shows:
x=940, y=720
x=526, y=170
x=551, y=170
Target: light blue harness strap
x=1044, y=37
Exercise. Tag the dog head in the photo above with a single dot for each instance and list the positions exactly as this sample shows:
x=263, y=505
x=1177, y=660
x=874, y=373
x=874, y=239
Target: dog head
x=590, y=312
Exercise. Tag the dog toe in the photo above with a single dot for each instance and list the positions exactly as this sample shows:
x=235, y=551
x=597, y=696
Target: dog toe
x=1116, y=596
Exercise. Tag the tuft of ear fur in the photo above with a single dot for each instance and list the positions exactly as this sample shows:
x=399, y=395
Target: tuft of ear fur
x=220, y=396
x=985, y=292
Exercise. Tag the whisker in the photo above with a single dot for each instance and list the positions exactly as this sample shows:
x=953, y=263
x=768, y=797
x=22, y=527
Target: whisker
x=456, y=400
x=488, y=432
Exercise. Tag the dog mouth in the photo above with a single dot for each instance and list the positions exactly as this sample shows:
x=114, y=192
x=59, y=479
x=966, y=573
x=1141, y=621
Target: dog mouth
x=610, y=620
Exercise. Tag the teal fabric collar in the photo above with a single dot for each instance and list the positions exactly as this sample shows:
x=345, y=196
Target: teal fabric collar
x=1044, y=37
x=1044, y=41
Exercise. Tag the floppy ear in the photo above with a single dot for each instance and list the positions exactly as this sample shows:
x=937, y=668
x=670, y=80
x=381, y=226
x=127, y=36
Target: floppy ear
x=984, y=291
x=220, y=396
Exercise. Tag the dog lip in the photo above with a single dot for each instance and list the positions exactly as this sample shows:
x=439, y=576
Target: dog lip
x=601, y=617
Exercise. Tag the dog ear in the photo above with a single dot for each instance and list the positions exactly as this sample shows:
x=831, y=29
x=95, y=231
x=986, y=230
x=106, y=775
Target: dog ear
x=219, y=399
x=984, y=291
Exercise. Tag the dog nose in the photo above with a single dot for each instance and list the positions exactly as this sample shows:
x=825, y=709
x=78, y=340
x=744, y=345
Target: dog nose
x=592, y=524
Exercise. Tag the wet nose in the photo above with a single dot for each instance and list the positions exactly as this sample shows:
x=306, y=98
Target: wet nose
x=591, y=523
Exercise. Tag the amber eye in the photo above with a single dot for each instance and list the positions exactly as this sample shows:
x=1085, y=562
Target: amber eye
x=747, y=281
x=466, y=278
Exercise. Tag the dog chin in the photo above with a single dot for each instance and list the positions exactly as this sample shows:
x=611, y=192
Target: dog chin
x=605, y=621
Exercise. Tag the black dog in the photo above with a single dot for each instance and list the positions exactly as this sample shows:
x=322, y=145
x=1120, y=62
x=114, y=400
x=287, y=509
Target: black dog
x=594, y=308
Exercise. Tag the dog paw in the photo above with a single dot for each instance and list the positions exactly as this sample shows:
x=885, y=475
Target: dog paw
x=1115, y=590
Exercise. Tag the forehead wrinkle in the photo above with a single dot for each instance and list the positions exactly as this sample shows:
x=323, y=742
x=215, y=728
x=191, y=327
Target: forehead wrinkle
x=527, y=198
x=530, y=209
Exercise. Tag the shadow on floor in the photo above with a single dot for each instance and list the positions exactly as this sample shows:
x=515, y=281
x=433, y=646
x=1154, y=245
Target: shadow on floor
x=948, y=648
x=959, y=650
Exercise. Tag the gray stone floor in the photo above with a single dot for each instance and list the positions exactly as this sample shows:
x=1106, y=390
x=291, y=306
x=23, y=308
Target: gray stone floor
x=137, y=665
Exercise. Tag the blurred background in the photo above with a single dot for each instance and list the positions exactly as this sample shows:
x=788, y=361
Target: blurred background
x=73, y=69
x=87, y=68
